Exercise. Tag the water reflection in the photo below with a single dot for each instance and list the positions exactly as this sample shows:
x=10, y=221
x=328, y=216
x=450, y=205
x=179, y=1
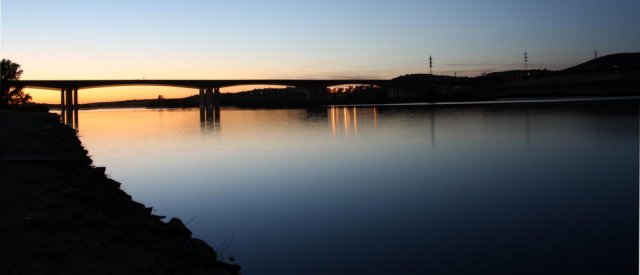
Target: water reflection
x=76, y=119
x=349, y=121
x=70, y=118
x=344, y=120
x=414, y=190
x=210, y=118
x=432, y=117
x=528, y=126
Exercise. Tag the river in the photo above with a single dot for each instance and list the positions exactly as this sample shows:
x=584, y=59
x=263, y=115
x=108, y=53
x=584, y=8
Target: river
x=539, y=188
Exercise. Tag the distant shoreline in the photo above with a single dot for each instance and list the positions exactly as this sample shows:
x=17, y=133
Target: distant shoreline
x=503, y=101
x=444, y=103
x=566, y=86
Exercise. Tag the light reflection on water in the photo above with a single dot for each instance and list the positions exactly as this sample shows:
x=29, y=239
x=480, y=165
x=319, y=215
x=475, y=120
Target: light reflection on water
x=537, y=189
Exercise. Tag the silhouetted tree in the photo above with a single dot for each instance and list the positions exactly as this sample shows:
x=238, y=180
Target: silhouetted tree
x=11, y=95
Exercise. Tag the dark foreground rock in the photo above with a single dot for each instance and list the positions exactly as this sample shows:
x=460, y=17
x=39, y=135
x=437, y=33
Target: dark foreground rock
x=61, y=215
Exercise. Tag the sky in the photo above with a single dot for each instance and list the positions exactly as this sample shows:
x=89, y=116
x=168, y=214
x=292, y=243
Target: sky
x=261, y=39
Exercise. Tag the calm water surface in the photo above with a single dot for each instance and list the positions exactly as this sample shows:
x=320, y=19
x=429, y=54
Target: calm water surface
x=510, y=189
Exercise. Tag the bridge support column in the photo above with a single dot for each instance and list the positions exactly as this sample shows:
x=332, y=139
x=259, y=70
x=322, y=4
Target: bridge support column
x=216, y=97
x=75, y=99
x=62, y=105
x=201, y=98
x=75, y=108
x=209, y=104
x=69, y=105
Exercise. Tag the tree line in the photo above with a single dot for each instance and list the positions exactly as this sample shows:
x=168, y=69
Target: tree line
x=10, y=95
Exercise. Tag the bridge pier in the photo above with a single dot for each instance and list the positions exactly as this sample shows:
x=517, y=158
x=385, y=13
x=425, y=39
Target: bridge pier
x=69, y=106
x=75, y=108
x=216, y=97
x=75, y=99
x=209, y=104
x=210, y=107
x=201, y=98
x=62, y=105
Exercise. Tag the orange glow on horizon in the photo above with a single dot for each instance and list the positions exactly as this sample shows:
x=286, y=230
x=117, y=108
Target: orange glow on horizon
x=122, y=93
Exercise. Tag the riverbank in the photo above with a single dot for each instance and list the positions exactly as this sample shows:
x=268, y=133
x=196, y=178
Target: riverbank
x=61, y=215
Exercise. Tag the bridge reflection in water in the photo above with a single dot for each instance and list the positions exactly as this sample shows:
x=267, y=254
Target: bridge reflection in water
x=210, y=118
x=70, y=118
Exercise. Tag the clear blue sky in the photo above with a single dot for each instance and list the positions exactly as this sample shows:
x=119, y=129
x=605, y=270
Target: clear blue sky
x=303, y=39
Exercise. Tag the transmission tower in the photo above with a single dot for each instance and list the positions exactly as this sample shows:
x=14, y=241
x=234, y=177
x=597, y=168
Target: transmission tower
x=526, y=61
x=430, y=65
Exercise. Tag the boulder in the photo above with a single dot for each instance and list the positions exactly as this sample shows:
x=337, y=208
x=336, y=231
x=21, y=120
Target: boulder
x=178, y=229
x=203, y=249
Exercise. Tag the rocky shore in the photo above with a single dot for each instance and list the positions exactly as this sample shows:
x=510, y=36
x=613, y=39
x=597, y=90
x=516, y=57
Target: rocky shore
x=62, y=215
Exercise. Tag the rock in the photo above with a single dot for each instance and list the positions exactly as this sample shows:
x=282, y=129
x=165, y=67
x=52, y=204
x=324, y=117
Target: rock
x=114, y=183
x=159, y=217
x=203, y=249
x=139, y=207
x=101, y=170
x=178, y=229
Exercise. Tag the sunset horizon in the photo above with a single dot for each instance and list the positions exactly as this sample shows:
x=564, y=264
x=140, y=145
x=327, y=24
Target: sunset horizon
x=320, y=137
x=288, y=40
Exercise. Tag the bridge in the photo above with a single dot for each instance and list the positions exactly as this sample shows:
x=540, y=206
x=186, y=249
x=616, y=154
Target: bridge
x=196, y=84
x=209, y=90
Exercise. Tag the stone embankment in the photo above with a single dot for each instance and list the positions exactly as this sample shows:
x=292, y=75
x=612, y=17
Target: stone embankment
x=62, y=215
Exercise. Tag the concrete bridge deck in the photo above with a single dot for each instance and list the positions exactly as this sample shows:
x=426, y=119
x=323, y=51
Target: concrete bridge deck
x=196, y=84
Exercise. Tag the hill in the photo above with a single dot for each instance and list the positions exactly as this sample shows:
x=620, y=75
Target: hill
x=613, y=62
